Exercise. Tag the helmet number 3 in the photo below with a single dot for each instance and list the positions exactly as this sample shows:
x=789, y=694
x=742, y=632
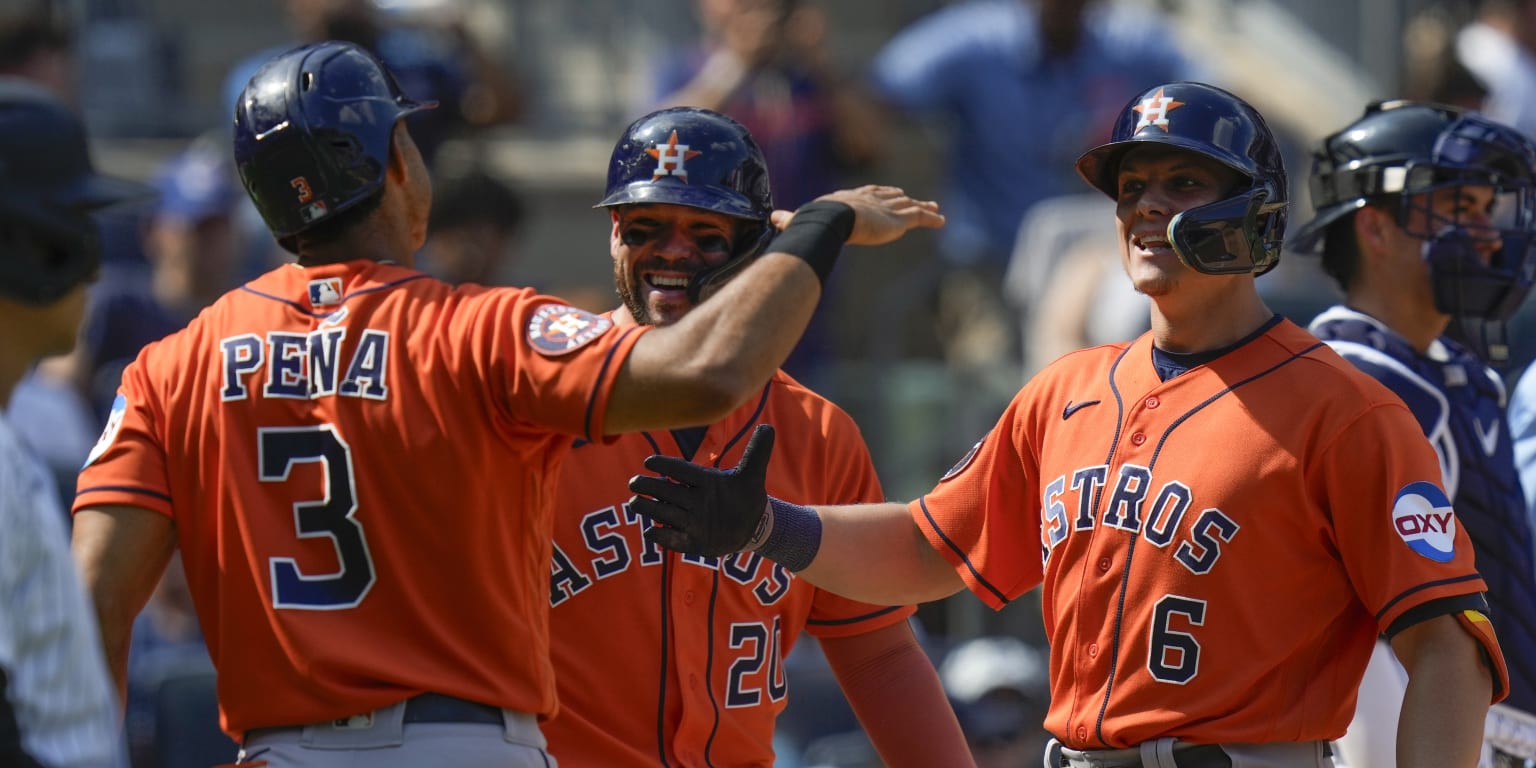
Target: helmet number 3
x=301, y=186
x=330, y=516
x=1174, y=656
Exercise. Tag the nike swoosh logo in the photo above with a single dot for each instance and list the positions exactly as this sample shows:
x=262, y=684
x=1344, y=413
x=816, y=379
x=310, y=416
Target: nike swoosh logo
x=1489, y=436
x=1066, y=413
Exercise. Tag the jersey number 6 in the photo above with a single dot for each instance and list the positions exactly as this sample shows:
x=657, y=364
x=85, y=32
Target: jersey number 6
x=332, y=515
x=1175, y=656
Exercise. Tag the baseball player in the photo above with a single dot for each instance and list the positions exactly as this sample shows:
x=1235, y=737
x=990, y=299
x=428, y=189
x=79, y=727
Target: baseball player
x=1425, y=216
x=56, y=705
x=1223, y=514
x=355, y=459
x=672, y=660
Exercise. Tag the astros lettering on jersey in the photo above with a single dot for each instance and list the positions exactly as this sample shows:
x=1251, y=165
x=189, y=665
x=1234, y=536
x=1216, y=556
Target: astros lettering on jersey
x=274, y=385
x=679, y=660
x=1184, y=529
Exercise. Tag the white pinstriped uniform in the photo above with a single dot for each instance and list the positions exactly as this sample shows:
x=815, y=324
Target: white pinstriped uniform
x=50, y=647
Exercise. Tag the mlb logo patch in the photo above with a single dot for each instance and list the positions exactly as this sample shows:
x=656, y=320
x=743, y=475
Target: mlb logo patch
x=325, y=292
x=1425, y=521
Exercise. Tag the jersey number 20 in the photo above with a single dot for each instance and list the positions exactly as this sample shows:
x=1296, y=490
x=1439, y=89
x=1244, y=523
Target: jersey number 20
x=331, y=515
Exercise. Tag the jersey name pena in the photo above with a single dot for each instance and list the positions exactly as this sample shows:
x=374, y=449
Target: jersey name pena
x=1185, y=528
x=668, y=659
x=324, y=438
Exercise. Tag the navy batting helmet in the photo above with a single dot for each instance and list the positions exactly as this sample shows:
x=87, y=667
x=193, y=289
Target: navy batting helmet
x=1397, y=153
x=313, y=130
x=48, y=242
x=701, y=159
x=1238, y=235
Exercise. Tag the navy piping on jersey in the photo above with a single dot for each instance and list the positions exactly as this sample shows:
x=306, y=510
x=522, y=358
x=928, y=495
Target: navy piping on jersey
x=1130, y=552
x=125, y=488
x=1098, y=498
x=1419, y=588
x=762, y=405
x=923, y=502
x=709, y=664
x=852, y=619
x=714, y=590
x=668, y=559
x=312, y=313
x=586, y=425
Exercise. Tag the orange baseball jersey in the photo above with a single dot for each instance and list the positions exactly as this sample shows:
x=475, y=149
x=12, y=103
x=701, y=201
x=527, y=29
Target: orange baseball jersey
x=1218, y=552
x=358, y=459
x=664, y=659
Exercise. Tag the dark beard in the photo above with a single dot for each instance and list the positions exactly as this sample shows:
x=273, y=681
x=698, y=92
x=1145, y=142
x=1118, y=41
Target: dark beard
x=636, y=307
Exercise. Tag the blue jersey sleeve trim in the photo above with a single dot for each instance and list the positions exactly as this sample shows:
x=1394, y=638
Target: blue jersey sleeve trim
x=923, y=502
x=854, y=619
x=1420, y=588
x=124, y=489
x=602, y=373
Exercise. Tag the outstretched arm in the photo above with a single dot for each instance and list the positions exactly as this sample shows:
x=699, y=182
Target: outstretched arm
x=1449, y=687
x=700, y=368
x=121, y=552
x=869, y=552
x=893, y=688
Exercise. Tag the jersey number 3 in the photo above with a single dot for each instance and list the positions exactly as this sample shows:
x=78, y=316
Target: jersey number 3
x=331, y=515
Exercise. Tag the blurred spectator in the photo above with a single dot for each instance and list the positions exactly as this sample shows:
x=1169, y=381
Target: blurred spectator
x=186, y=241
x=37, y=44
x=1064, y=281
x=427, y=45
x=471, y=236
x=1000, y=688
x=1499, y=48
x=190, y=256
x=768, y=64
x=1023, y=87
x=1431, y=69
x=168, y=648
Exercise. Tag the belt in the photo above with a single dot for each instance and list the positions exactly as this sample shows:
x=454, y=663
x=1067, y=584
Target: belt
x=440, y=708
x=1194, y=756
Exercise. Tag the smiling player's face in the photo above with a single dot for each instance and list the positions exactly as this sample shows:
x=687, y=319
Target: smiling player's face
x=1154, y=184
x=657, y=249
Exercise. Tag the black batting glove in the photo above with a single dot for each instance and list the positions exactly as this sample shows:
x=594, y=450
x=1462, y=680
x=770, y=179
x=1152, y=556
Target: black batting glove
x=700, y=510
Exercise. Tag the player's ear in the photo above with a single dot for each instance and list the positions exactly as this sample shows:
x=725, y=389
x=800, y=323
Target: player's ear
x=1370, y=229
x=400, y=146
x=613, y=237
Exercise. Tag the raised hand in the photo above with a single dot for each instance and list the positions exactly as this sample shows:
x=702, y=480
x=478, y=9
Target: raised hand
x=882, y=214
x=706, y=511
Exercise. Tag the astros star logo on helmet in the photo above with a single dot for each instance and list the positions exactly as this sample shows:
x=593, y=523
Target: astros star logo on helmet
x=1154, y=110
x=670, y=158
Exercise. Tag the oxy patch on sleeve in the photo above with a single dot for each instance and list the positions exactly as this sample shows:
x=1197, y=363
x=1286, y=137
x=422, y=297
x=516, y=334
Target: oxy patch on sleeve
x=1425, y=521
x=558, y=329
x=109, y=432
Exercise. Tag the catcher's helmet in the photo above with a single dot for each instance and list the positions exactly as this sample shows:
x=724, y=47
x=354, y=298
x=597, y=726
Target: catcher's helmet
x=701, y=159
x=312, y=133
x=48, y=242
x=1399, y=151
x=1238, y=235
